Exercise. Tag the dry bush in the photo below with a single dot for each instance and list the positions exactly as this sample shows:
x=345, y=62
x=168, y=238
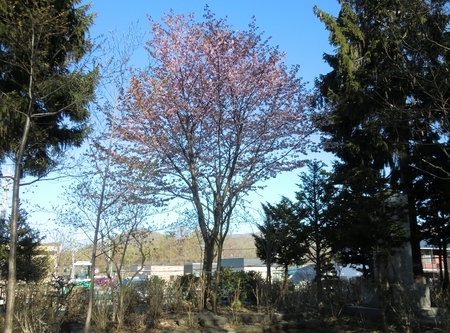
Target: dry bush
x=301, y=297
x=37, y=310
x=75, y=304
x=151, y=292
x=174, y=300
x=193, y=289
x=137, y=322
x=125, y=302
x=402, y=305
x=258, y=291
x=101, y=315
x=270, y=297
x=441, y=302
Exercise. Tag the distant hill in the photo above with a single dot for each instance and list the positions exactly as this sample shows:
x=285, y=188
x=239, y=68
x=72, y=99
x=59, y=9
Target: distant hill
x=239, y=246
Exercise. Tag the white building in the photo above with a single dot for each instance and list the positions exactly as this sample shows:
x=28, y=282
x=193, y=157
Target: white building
x=238, y=264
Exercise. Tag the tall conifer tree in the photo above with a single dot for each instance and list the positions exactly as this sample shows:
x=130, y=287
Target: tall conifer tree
x=44, y=92
x=378, y=110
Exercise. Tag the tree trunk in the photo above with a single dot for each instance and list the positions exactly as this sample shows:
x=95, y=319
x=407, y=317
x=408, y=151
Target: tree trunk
x=445, y=282
x=215, y=294
x=208, y=268
x=285, y=279
x=91, y=297
x=382, y=286
x=318, y=266
x=269, y=248
x=91, y=300
x=269, y=270
x=106, y=176
x=440, y=258
x=415, y=239
x=319, y=283
x=12, y=264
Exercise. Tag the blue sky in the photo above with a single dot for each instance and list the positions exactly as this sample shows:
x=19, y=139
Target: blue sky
x=291, y=24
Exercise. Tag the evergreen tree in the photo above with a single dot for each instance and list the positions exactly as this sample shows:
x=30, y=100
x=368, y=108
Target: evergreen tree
x=279, y=241
x=266, y=243
x=41, y=46
x=313, y=199
x=360, y=218
x=377, y=115
x=32, y=260
x=44, y=90
x=433, y=193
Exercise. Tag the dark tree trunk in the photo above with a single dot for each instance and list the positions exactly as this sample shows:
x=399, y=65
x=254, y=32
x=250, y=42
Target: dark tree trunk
x=445, y=282
x=208, y=269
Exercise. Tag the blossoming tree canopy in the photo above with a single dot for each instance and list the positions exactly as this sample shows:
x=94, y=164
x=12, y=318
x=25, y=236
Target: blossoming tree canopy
x=218, y=110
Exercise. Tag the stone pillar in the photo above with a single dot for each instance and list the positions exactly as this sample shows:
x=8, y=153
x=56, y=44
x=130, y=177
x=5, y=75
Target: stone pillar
x=400, y=270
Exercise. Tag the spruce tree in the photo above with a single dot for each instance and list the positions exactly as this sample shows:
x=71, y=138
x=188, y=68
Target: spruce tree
x=33, y=263
x=280, y=240
x=433, y=200
x=44, y=94
x=377, y=114
x=42, y=44
x=361, y=218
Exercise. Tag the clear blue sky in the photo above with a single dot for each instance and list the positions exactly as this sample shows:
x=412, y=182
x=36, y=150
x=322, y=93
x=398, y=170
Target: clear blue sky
x=291, y=24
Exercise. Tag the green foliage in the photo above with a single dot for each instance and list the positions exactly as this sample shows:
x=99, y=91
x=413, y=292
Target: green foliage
x=237, y=283
x=279, y=240
x=33, y=262
x=432, y=192
x=433, y=206
x=363, y=214
x=312, y=205
x=387, y=94
x=42, y=87
x=297, y=232
x=189, y=283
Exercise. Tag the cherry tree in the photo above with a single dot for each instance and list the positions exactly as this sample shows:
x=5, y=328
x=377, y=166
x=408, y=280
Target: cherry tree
x=217, y=113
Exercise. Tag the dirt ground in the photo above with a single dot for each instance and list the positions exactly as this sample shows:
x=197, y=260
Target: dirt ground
x=292, y=323
x=226, y=323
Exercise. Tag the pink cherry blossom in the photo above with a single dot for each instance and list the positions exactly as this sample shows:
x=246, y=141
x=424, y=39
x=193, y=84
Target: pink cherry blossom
x=216, y=114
